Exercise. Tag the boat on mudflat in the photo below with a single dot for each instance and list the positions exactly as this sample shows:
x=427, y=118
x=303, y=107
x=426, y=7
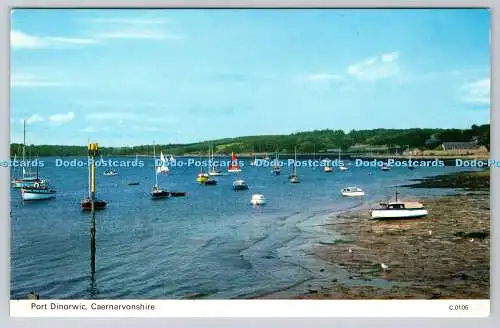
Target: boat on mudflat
x=399, y=210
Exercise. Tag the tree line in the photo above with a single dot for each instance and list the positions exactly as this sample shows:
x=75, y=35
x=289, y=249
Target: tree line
x=317, y=141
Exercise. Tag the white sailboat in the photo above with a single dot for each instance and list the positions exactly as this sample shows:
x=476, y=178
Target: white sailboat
x=342, y=167
x=294, y=178
x=27, y=179
x=213, y=171
x=157, y=192
x=162, y=168
x=38, y=191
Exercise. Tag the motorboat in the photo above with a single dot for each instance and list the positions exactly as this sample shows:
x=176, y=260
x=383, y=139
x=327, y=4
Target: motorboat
x=327, y=169
x=352, y=192
x=258, y=199
x=385, y=167
x=178, y=193
x=399, y=210
x=110, y=173
x=240, y=185
x=294, y=179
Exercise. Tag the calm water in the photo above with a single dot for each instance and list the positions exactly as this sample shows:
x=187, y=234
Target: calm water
x=210, y=244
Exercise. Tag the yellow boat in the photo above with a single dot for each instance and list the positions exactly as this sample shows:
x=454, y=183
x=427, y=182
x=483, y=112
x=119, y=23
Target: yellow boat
x=202, y=177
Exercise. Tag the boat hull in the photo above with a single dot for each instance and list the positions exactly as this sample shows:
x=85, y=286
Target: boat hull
x=30, y=195
x=159, y=194
x=391, y=214
x=353, y=194
x=20, y=183
x=98, y=204
x=234, y=170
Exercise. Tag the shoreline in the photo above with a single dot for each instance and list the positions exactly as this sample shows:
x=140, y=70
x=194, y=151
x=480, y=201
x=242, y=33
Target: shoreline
x=444, y=255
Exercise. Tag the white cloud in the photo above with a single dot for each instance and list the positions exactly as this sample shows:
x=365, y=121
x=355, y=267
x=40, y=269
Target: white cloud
x=88, y=130
x=33, y=119
x=21, y=40
x=134, y=28
x=390, y=57
x=121, y=117
x=477, y=92
x=379, y=67
x=62, y=118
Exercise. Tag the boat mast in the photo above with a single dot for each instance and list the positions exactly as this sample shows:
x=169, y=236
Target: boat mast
x=295, y=162
x=155, y=168
x=24, y=147
x=88, y=163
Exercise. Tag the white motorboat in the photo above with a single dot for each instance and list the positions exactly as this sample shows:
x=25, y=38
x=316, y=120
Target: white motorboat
x=352, y=192
x=343, y=168
x=328, y=169
x=110, y=173
x=258, y=199
x=240, y=185
x=399, y=210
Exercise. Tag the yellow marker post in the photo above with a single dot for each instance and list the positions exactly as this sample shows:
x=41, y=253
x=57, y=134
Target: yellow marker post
x=93, y=152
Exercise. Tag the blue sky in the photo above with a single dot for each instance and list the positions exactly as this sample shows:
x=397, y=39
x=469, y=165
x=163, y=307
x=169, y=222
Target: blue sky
x=131, y=77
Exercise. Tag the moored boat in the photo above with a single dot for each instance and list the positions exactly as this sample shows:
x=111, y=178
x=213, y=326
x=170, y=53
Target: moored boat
x=294, y=178
x=86, y=204
x=178, y=193
x=37, y=192
x=399, y=210
x=109, y=173
x=234, y=167
x=258, y=199
x=157, y=192
x=352, y=191
x=240, y=185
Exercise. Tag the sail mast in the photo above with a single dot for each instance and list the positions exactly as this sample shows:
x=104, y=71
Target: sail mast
x=24, y=147
x=155, y=167
x=295, y=162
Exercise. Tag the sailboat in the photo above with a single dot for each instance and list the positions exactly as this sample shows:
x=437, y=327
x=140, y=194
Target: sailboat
x=37, y=191
x=162, y=168
x=341, y=164
x=294, y=178
x=27, y=179
x=157, y=192
x=86, y=203
x=254, y=161
x=266, y=158
x=213, y=170
x=276, y=166
x=234, y=166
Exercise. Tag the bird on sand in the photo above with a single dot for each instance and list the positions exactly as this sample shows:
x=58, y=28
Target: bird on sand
x=430, y=232
x=350, y=250
x=472, y=240
x=384, y=266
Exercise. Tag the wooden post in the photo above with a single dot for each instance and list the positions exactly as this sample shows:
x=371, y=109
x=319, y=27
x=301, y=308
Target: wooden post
x=93, y=152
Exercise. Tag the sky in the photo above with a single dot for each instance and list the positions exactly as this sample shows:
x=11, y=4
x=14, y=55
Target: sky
x=130, y=77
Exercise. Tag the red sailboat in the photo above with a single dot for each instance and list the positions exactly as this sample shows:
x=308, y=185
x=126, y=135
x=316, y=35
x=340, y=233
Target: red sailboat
x=234, y=166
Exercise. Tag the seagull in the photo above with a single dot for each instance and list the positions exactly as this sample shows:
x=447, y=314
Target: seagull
x=472, y=240
x=384, y=267
x=350, y=250
x=430, y=232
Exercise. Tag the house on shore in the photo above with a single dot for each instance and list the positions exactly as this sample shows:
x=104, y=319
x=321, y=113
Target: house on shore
x=463, y=148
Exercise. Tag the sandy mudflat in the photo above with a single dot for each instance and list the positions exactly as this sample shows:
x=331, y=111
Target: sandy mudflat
x=445, y=255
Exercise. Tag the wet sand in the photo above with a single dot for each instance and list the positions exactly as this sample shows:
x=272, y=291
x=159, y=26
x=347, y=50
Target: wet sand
x=444, y=255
